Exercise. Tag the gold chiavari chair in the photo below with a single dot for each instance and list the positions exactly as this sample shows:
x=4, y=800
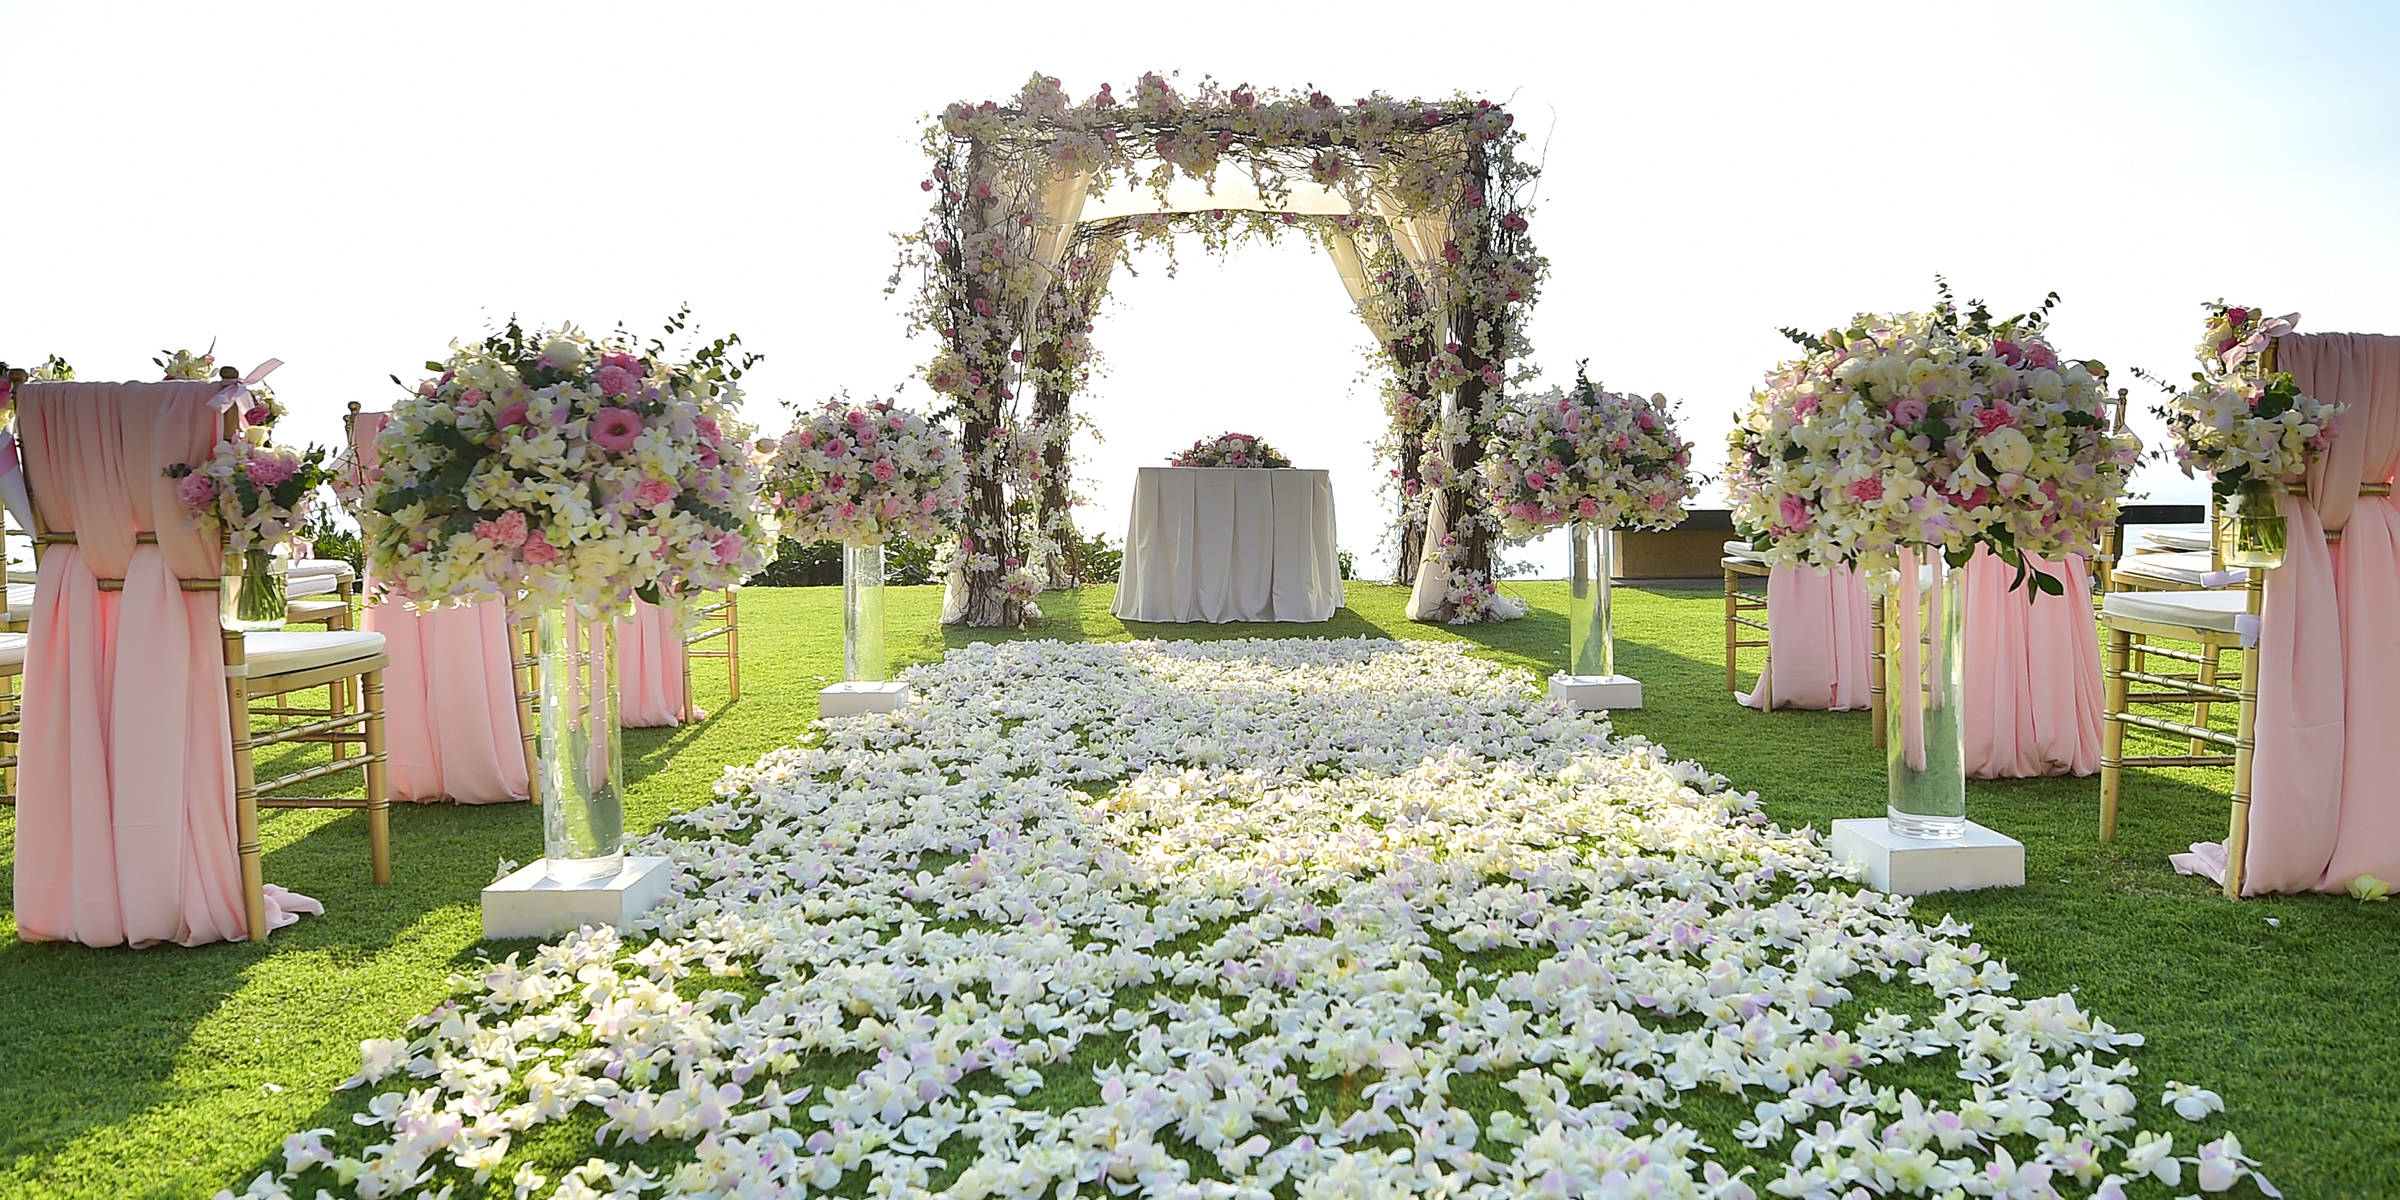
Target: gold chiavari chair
x=270, y=666
x=1743, y=610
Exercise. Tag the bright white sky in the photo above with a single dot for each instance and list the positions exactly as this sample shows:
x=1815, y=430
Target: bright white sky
x=348, y=188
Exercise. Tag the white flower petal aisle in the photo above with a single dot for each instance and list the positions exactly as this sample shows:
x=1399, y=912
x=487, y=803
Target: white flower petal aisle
x=1253, y=918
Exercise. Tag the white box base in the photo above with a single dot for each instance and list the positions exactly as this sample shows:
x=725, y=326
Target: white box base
x=1596, y=693
x=851, y=697
x=1914, y=866
x=531, y=904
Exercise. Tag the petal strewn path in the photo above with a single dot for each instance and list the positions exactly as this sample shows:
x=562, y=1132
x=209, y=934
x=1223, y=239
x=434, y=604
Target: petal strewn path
x=1251, y=919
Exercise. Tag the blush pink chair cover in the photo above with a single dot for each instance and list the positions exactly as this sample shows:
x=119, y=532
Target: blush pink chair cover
x=449, y=696
x=1819, y=635
x=2031, y=673
x=650, y=656
x=125, y=817
x=2322, y=808
x=2030, y=669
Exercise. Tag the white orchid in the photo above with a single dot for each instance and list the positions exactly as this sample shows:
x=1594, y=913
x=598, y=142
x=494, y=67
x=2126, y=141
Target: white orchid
x=2191, y=1103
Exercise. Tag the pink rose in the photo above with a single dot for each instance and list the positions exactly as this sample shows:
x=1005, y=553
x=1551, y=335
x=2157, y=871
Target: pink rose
x=709, y=429
x=836, y=447
x=2041, y=357
x=1659, y=501
x=1645, y=420
x=1536, y=480
x=473, y=396
x=894, y=506
x=538, y=550
x=615, y=429
x=195, y=490
x=1907, y=412
x=728, y=548
x=617, y=381
x=625, y=362
x=654, y=492
x=708, y=456
x=514, y=414
x=1796, y=513
x=1587, y=508
x=508, y=530
x=1993, y=417
x=883, y=470
x=258, y=415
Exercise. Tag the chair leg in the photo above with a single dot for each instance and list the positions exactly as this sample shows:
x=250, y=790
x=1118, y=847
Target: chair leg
x=1879, y=669
x=2112, y=733
x=379, y=797
x=733, y=646
x=521, y=640
x=245, y=790
x=2209, y=650
x=1732, y=629
x=2245, y=745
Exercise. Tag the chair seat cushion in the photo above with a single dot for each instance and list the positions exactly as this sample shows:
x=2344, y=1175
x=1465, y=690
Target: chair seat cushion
x=12, y=651
x=2175, y=537
x=337, y=567
x=283, y=652
x=20, y=599
x=2217, y=612
x=2183, y=567
x=1742, y=550
x=314, y=610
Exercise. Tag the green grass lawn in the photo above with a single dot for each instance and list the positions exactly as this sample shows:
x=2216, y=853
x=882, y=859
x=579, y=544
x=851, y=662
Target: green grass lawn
x=174, y=1072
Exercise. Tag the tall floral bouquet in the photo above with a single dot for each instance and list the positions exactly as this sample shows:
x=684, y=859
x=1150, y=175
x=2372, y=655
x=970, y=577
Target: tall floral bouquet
x=254, y=496
x=2237, y=422
x=1612, y=459
x=1229, y=450
x=567, y=470
x=863, y=475
x=1936, y=429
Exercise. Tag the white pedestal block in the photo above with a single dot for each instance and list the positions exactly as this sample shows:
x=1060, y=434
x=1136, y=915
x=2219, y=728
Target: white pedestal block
x=531, y=904
x=1595, y=693
x=852, y=697
x=1914, y=866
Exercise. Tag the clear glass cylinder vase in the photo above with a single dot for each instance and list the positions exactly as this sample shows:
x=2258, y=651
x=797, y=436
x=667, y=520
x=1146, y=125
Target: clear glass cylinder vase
x=251, y=596
x=1925, y=763
x=862, y=615
x=1591, y=642
x=2251, y=530
x=582, y=774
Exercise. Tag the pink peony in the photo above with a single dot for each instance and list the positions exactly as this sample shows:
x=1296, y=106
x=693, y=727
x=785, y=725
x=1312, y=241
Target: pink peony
x=195, y=490
x=654, y=492
x=709, y=429
x=615, y=429
x=514, y=414
x=538, y=549
x=270, y=472
x=728, y=548
x=883, y=470
x=1587, y=508
x=625, y=362
x=617, y=381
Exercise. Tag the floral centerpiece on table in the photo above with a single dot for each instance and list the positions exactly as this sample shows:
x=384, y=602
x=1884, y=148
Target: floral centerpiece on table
x=254, y=497
x=565, y=471
x=1230, y=450
x=1939, y=429
x=2244, y=426
x=1612, y=459
x=863, y=475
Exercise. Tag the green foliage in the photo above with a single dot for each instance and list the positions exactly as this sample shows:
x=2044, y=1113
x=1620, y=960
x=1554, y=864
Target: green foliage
x=333, y=541
x=1349, y=563
x=819, y=564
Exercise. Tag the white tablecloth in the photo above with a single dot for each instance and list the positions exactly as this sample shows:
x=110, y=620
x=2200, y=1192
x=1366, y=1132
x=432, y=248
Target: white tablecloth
x=1230, y=544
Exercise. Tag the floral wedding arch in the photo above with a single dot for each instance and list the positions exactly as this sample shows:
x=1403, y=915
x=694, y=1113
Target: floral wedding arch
x=1422, y=206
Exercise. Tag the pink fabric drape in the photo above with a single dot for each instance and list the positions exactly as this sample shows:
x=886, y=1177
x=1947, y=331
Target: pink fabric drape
x=650, y=657
x=2322, y=807
x=449, y=696
x=2031, y=673
x=125, y=818
x=1819, y=635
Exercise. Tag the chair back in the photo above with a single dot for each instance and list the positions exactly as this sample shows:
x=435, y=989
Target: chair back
x=95, y=461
